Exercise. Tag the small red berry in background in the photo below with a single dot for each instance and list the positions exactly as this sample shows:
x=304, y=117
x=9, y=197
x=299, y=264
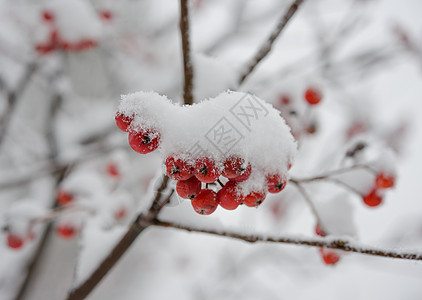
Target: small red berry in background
x=205, y=202
x=254, y=199
x=330, y=257
x=145, y=140
x=44, y=49
x=123, y=122
x=120, y=214
x=206, y=170
x=284, y=99
x=113, y=170
x=106, y=15
x=14, y=241
x=64, y=197
x=188, y=189
x=312, y=96
x=384, y=181
x=178, y=169
x=372, y=199
x=276, y=183
x=228, y=197
x=319, y=231
x=66, y=231
x=48, y=16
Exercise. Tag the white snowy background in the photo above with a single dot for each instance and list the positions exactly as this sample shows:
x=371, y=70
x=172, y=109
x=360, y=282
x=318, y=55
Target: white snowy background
x=139, y=50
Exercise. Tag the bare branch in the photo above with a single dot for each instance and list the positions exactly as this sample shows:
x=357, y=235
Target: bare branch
x=187, y=63
x=267, y=46
x=331, y=243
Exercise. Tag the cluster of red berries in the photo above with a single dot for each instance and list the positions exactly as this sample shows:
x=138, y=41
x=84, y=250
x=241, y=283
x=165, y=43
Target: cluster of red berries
x=142, y=139
x=16, y=241
x=56, y=42
x=329, y=256
x=382, y=181
x=191, y=176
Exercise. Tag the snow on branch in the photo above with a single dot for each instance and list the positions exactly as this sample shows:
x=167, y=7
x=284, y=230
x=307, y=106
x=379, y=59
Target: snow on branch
x=331, y=242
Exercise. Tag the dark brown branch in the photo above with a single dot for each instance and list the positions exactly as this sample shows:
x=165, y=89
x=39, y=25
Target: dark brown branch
x=315, y=242
x=139, y=225
x=267, y=46
x=187, y=63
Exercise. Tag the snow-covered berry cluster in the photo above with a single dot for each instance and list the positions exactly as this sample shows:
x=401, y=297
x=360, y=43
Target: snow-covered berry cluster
x=210, y=143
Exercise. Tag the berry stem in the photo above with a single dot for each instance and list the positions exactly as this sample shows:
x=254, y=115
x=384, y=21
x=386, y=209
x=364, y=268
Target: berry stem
x=220, y=183
x=311, y=204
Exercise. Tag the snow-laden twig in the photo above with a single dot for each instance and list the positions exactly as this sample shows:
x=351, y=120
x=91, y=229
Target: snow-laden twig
x=187, y=62
x=327, y=242
x=267, y=46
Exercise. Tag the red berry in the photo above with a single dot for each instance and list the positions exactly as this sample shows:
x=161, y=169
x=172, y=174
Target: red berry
x=144, y=141
x=106, y=15
x=66, y=231
x=373, y=198
x=319, y=231
x=234, y=166
x=254, y=199
x=44, y=49
x=178, y=169
x=206, y=170
x=276, y=183
x=330, y=257
x=384, y=181
x=206, y=202
x=48, y=16
x=284, y=99
x=120, y=214
x=188, y=189
x=228, y=197
x=123, y=121
x=112, y=170
x=312, y=96
x=14, y=241
x=64, y=197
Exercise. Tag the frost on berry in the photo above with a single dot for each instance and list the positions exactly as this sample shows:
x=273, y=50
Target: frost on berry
x=188, y=189
x=254, y=199
x=229, y=196
x=145, y=140
x=178, y=169
x=205, y=202
x=276, y=183
x=123, y=121
x=206, y=170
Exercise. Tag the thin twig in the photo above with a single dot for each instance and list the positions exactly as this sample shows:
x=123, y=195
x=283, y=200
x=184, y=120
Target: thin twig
x=314, y=242
x=311, y=205
x=329, y=174
x=187, y=63
x=266, y=47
